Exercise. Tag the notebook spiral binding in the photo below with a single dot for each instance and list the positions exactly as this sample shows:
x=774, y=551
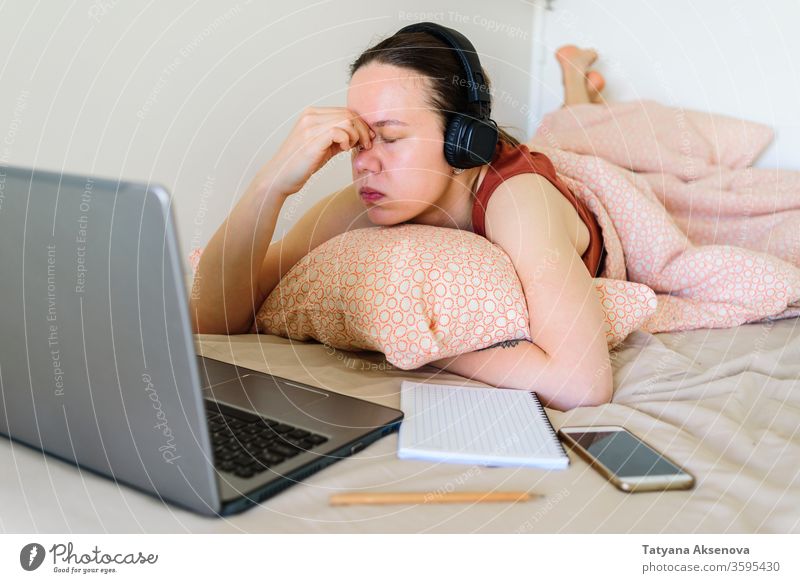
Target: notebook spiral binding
x=549, y=425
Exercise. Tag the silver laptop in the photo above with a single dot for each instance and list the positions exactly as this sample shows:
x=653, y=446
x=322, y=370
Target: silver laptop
x=98, y=364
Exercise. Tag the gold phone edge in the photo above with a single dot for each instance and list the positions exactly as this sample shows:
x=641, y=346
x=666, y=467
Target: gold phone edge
x=627, y=487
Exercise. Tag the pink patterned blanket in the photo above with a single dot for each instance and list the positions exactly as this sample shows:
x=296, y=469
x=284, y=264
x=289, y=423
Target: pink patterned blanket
x=682, y=210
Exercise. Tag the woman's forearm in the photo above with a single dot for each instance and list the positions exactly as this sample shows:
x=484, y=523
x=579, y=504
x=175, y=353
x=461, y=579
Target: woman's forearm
x=225, y=293
x=523, y=365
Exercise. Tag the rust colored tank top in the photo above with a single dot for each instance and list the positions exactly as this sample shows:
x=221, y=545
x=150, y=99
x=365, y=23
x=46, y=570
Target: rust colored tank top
x=510, y=161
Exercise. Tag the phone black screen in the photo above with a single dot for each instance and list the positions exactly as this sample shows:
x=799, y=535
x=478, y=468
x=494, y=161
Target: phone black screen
x=622, y=453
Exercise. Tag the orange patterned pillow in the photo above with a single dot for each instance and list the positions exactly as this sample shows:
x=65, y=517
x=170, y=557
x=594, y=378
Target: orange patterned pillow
x=419, y=293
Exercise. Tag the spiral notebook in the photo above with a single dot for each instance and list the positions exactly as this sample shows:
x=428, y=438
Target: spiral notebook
x=484, y=426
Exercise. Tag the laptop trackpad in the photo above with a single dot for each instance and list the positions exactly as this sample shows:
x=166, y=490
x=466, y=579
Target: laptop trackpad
x=266, y=395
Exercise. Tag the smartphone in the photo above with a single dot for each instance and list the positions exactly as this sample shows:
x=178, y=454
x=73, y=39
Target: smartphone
x=624, y=459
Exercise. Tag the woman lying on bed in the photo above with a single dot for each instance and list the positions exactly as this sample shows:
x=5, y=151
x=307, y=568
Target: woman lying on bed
x=394, y=128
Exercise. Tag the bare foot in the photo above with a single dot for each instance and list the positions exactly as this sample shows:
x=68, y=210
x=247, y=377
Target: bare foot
x=575, y=63
x=594, y=85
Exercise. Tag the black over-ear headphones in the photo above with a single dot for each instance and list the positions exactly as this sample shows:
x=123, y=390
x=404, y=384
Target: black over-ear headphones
x=469, y=140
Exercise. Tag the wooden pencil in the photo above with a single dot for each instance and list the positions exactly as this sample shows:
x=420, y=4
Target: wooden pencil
x=348, y=498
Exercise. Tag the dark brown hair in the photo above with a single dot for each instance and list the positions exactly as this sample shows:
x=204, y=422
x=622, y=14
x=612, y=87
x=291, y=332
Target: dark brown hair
x=433, y=58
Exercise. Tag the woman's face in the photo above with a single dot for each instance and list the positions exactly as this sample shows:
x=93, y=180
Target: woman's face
x=406, y=161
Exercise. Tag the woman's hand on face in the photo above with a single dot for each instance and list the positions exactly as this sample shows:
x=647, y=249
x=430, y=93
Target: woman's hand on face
x=319, y=134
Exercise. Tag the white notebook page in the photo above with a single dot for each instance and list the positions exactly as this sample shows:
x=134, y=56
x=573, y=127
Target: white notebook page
x=502, y=427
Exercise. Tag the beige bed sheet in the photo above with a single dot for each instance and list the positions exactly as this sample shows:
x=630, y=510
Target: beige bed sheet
x=724, y=403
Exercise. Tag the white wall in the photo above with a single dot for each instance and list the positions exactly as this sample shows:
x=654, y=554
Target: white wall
x=735, y=57
x=198, y=95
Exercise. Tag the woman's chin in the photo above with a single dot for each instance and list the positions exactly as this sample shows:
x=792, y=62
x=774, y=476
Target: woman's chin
x=380, y=215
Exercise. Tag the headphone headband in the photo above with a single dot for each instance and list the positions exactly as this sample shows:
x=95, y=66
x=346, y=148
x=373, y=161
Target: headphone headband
x=476, y=85
x=469, y=141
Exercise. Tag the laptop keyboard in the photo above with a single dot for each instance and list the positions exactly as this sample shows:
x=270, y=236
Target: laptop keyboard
x=246, y=444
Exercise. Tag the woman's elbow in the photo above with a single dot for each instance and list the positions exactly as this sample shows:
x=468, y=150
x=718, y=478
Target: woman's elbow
x=598, y=395
x=587, y=397
x=580, y=390
x=211, y=323
x=599, y=391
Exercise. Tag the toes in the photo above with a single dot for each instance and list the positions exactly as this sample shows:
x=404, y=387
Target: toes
x=575, y=56
x=567, y=53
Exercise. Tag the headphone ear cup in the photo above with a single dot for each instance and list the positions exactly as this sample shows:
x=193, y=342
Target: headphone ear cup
x=453, y=151
x=482, y=141
x=469, y=142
